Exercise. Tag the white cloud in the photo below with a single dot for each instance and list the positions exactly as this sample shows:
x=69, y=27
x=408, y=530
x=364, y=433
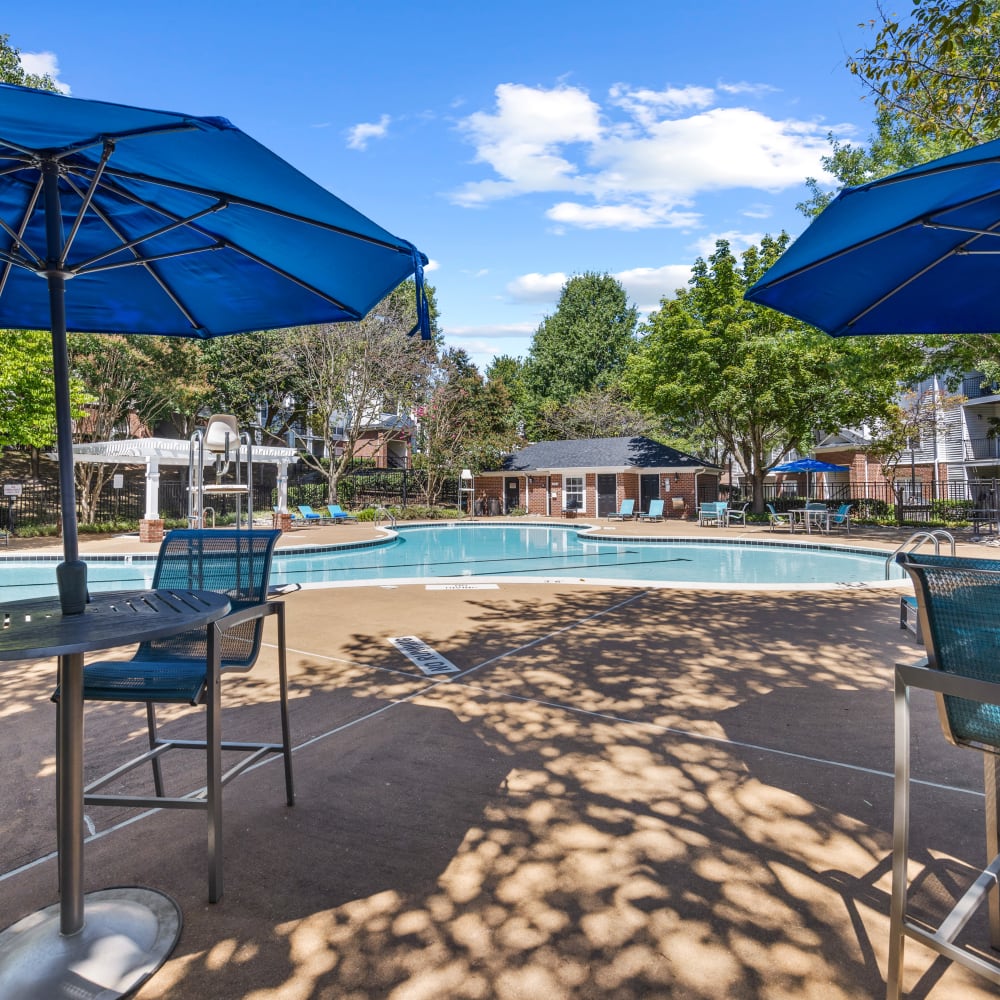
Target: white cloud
x=432, y=265
x=623, y=216
x=358, y=136
x=496, y=331
x=738, y=242
x=641, y=160
x=647, y=285
x=521, y=141
x=537, y=287
x=44, y=64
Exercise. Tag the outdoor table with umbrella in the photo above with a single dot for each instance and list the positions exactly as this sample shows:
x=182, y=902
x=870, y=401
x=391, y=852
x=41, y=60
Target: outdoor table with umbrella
x=911, y=253
x=173, y=225
x=808, y=466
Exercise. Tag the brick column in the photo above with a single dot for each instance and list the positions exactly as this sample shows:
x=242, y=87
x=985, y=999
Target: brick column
x=151, y=530
x=283, y=522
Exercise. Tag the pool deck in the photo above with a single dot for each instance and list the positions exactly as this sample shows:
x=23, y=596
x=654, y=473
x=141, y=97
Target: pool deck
x=619, y=793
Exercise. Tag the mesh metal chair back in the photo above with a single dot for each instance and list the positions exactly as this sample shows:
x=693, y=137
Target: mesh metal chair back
x=959, y=605
x=232, y=562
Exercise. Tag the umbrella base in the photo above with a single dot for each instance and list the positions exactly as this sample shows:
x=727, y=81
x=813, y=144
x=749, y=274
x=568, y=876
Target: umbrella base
x=128, y=934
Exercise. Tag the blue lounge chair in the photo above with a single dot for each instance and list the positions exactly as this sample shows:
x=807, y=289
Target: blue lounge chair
x=655, y=512
x=842, y=519
x=625, y=512
x=712, y=513
x=338, y=514
x=186, y=670
x=776, y=520
x=310, y=515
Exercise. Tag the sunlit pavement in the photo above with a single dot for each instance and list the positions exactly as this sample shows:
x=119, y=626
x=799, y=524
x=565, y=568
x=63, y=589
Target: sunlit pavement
x=618, y=793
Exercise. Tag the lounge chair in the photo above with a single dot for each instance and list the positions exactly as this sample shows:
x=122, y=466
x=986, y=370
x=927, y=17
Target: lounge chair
x=187, y=669
x=842, y=519
x=958, y=605
x=655, y=512
x=310, y=515
x=338, y=514
x=739, y=516
x=713, y=513
x=776, y=520
x=624, y=513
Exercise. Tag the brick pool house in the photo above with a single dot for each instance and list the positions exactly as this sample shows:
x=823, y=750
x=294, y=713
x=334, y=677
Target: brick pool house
x=591, y=477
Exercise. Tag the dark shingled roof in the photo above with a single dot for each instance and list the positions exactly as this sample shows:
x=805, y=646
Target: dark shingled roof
x=600, y=453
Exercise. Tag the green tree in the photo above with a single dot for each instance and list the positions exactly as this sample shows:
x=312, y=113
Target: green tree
x=27, y=401
x=937, y=72
x=11, y=70
x=595, y=414
x=758, y=382
x=584, y=344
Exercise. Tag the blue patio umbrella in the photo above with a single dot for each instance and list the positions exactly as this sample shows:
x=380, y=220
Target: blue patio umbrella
x=145, y=221
x=914, y=252
x=809, y=465
x=150, y=222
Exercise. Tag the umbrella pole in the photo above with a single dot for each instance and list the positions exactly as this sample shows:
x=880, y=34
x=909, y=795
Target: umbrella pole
x=72, y=573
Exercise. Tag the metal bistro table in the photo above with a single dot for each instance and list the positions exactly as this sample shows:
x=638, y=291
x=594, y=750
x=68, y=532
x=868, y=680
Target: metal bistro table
x=106, y=944
x=808, y=516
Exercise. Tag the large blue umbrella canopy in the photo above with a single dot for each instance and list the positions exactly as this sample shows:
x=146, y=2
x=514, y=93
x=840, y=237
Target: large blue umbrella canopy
x=809, y=465
x=912, y=253
x=144, y=221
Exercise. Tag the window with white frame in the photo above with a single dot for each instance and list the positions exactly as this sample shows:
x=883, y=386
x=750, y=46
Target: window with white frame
x=573, y=493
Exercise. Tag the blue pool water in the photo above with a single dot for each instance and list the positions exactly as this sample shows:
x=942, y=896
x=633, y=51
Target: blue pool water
x=525, y=552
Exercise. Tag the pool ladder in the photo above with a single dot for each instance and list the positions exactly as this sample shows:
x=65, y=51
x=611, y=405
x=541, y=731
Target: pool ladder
x=389, y=516
x=935, y=537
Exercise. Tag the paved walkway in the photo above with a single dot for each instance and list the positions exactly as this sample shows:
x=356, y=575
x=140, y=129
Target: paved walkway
x=618, y=793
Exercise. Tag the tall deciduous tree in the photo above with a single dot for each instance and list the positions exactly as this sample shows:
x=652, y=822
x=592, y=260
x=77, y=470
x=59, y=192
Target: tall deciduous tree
x=584, y=344
x=937, y=71
x=351, y=373
x=11, y=70
x=760, y=383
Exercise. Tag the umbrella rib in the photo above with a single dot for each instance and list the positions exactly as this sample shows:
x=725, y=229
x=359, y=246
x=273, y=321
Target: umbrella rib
x=218, y=244
x=109, y=148
x=10, y=259
x=151, y=271
x=953, y=251
x=256, y=205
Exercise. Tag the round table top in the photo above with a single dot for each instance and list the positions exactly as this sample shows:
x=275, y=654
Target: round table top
x=37, y=628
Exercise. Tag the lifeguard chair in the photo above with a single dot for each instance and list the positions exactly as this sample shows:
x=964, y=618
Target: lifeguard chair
x=233, y=452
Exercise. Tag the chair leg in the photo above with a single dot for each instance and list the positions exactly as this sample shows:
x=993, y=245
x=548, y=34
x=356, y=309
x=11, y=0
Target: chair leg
x=213, y=748
x=990, y=778
x=153, y=743
x=286, y=736
x=900, y=838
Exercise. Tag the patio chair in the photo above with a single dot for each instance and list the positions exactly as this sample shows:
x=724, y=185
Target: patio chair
x=338, y=514
x=310, y=515
x=712, y=513
x=187, y=670
x=842, y=519
x=959, y=608
x=739, y=516
x=624, y=512
x=655, y=512
x=776, y=520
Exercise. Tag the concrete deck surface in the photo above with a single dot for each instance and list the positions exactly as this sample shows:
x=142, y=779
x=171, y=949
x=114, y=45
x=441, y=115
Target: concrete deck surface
x=621, y=793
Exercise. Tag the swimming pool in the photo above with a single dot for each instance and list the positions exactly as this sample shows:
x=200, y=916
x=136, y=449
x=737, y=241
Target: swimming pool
x=461, y=553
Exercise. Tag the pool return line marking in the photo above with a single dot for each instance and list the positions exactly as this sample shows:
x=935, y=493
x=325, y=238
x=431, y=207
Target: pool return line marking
x=428, y=659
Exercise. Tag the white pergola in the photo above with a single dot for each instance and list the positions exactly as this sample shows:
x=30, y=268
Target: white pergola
x=154, y=452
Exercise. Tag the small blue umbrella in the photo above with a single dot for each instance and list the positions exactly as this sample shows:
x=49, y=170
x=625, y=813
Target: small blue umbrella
x=913, y=253
x=809, y=465
x=145, y=221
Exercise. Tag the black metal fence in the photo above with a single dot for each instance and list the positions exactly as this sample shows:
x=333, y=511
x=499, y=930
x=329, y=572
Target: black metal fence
x=37, y=504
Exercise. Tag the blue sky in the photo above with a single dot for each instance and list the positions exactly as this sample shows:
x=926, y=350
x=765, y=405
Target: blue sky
x=516, y=144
